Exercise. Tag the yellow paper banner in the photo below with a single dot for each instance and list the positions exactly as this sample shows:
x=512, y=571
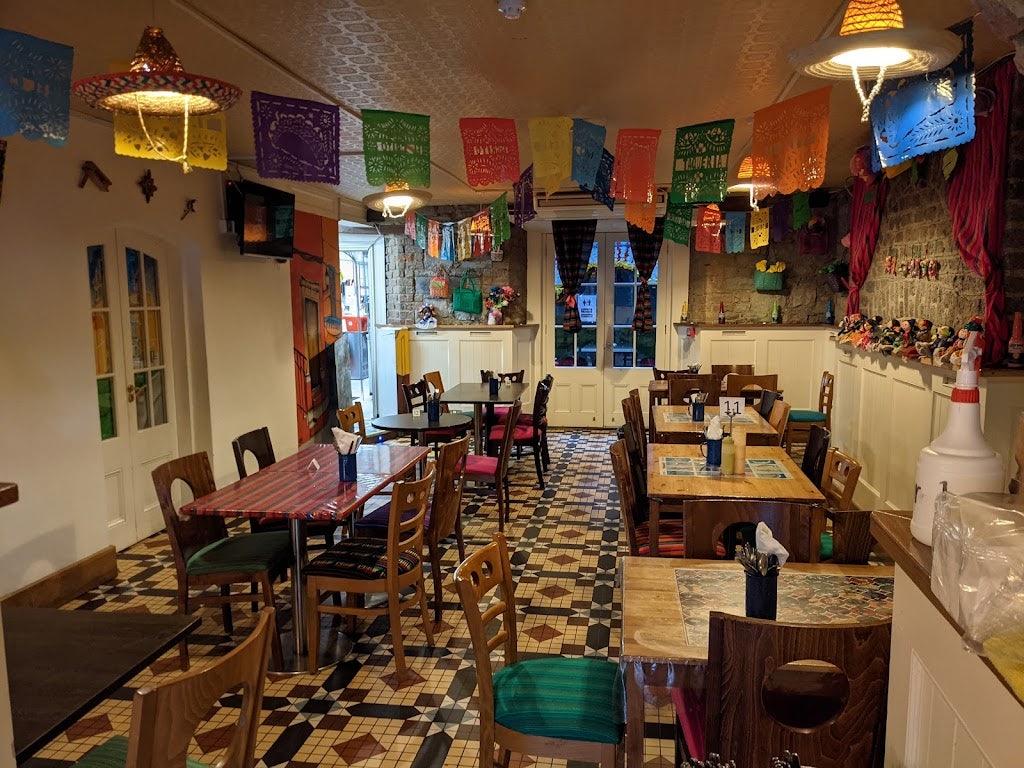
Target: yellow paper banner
x=551, y=144
x=759, y=221
x=207, y=139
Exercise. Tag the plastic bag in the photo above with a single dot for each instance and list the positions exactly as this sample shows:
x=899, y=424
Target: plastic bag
x=440, y=288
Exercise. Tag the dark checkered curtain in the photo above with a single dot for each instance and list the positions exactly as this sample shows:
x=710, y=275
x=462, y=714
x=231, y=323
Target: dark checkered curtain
x=646, y=247
x=574, y=240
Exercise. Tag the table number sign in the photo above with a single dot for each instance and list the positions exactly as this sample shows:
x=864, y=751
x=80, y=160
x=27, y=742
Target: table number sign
x=731, y=407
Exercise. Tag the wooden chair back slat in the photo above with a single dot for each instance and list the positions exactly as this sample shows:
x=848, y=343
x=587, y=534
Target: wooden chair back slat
x=352, y=420
x=795, y=525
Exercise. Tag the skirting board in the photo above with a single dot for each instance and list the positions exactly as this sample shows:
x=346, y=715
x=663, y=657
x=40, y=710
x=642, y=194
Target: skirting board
x=67, y=583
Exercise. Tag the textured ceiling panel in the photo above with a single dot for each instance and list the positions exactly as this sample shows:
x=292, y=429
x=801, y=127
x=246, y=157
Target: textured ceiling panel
x=623, y=64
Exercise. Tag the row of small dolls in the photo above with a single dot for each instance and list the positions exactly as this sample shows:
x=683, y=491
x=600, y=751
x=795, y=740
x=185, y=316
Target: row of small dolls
x=911, y=339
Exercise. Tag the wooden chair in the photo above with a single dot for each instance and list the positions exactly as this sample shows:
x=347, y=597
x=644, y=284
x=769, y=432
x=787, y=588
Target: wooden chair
x=724, y=370
x=165, y=716
x=679, y=388
x=777, y=421
x=532, y=435
x=749, y=387
x=800, y=420
x=416, y=401
x=501, y=411
x=257, y=442
x=815, y=453
x=555, y=707
x=768, y=398
x=839, y=480
x=444, y=516
x=492, y=471
x=765, y=695
x=633, y=511
x=434, y=380
x=351, y=419
x=710, y=526
x=359, y=566
x=205, y=556
x=661, y=374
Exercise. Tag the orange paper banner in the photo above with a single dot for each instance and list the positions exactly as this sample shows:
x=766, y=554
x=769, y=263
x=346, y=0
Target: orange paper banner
x=789, y=144
x=708, y=238
x=636, y=150
x=641, y=214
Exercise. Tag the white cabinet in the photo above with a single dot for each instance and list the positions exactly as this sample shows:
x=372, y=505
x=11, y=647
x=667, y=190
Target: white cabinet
x=461, y=352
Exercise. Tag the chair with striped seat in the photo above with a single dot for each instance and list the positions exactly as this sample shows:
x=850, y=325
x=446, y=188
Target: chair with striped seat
x=554, y=707
x=798, y=427
x=166, y=716
x=492, y=471
x=532, y=435
x=632, y=512
x=358, y=566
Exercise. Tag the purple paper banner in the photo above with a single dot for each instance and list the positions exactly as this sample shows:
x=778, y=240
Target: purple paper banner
x=35, y=88
x=522, y=206
x=295, y=139
x=780, y=217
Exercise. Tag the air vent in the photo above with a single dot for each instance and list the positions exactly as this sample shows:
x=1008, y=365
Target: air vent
x=577, y=204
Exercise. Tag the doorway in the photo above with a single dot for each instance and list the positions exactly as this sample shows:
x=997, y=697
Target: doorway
x=356, y=265
x=595, y=368
x=130, y=300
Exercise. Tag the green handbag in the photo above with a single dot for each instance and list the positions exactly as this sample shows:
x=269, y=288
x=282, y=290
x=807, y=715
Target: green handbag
x=467, y=297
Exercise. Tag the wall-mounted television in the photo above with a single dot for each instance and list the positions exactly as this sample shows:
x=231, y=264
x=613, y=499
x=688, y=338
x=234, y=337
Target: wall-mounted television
x=263, y=217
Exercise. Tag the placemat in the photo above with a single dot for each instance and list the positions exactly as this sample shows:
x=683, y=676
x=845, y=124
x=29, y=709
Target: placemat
x=689, y=466
x=682, y=417
x=813, y=598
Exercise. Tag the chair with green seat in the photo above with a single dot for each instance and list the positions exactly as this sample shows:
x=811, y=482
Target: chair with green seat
x=798, y=427
x=556, y=707
x=205, y=556
x=166, y=716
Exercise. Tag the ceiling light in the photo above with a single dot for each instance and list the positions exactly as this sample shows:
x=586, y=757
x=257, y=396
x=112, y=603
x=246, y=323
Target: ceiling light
x=511, y=9
x=745, y=179
x=157, y=85
x=872, y=43
x=395, y=201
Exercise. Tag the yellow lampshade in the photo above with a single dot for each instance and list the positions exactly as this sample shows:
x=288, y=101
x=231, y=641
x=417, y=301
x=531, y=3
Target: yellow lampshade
x=871, y=15
x=746, y=169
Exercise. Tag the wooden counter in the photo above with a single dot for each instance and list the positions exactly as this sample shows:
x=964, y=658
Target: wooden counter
x=946, y=706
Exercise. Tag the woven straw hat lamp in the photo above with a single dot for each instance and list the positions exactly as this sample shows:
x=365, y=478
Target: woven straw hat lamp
x=873, y=44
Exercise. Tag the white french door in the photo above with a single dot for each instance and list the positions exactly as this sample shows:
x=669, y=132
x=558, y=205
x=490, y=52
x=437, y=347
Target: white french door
x=129, y=296
x=595, y=368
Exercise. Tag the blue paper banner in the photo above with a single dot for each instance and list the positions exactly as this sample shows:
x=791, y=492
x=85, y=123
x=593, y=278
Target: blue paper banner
x=602, y=189
x=587, y=150
x=448, y=241
x=927, y=113
x=735, y=231
x=35, y=88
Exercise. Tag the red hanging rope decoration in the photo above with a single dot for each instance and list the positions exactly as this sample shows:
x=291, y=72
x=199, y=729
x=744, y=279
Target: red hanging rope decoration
x=865, y=221
x=977, y=205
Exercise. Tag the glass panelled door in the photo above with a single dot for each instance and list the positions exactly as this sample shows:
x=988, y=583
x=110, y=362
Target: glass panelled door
x=596, y=367
x=133, y=381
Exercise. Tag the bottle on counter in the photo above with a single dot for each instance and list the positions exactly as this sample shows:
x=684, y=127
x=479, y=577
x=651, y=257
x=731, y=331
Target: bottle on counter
x=685, y=314
x=830, y=313
x=721, y=313
x=776, y=312
x=1015, y=349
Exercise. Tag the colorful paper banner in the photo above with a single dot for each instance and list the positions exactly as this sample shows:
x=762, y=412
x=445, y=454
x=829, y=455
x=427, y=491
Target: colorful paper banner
x=500, y=228
x=759, y=224
x=780, y=210
x=790, y=143
x=448, y=241
x=421, y=231
x=491, y=148
x=207, y=139
x=551, y=143
x=678, y=222
x=35, y=88
x=636, y=150
x=701, y=162
x=587, y=150
x=708, y=238
x=480, y=232
x=642, y=214
x=522, y=202
x=463, y=239
x=735, y=232
x=433, y=239
x=295, y=138
x=602, y=189
x=396, y=148
x=801, y=209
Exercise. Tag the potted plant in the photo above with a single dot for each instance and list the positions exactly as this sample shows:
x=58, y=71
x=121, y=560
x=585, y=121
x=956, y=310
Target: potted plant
x=768, y=277
x=836, y=273
x=624, y=271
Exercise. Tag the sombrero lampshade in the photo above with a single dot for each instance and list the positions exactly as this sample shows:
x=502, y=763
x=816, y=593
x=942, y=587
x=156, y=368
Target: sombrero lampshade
x=396, y=200
x=873, y=43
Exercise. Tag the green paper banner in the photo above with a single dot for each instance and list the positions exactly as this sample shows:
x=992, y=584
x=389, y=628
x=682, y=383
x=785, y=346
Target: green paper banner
x=501, y=230
x=701, y=167
x=396, y=148
x=421, y=231
x=801, y=209
x=678, y=221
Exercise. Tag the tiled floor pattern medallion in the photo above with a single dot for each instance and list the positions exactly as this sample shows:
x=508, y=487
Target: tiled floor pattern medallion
x=567, y=539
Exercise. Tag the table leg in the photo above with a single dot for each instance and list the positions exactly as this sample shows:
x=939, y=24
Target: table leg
x=634, y=718
x=298, y=529
x=478, y=410
x=653, y=517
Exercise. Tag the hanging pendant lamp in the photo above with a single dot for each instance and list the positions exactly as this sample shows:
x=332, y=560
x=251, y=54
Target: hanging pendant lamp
x=157, y=85
x=396, y=200
x=873, y=44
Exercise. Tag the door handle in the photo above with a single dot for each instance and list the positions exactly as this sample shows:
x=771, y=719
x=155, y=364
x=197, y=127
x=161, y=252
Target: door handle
x=131, y=393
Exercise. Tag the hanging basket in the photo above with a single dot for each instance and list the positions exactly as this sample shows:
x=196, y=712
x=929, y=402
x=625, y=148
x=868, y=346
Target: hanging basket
x=835, y=283
x=767, y=281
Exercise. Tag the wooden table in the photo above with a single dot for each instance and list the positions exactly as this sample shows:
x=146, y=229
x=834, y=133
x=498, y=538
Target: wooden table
x=479, y=395
x=667, y=490
x=306, y=487
x=417, y=423
x=665, y=608
x=61, y=664
x=672, y=424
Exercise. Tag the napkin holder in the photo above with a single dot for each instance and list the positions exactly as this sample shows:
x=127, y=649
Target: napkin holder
x=493, y=384
x=347, y=471
x=433, y=411
x=762, y=596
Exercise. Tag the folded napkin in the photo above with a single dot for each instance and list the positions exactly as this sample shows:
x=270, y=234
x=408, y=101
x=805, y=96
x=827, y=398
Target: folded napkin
x=345, y=442
x=766, y=542
x=714, y=430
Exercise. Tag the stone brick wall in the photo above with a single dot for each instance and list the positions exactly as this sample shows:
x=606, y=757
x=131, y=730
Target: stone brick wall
x=729, y=278
x=408, y=271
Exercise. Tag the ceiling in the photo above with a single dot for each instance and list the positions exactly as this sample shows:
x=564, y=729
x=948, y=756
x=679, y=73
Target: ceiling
x=651, y=64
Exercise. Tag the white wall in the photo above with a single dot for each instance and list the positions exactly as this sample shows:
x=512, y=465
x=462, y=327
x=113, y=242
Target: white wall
x=237, y=317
